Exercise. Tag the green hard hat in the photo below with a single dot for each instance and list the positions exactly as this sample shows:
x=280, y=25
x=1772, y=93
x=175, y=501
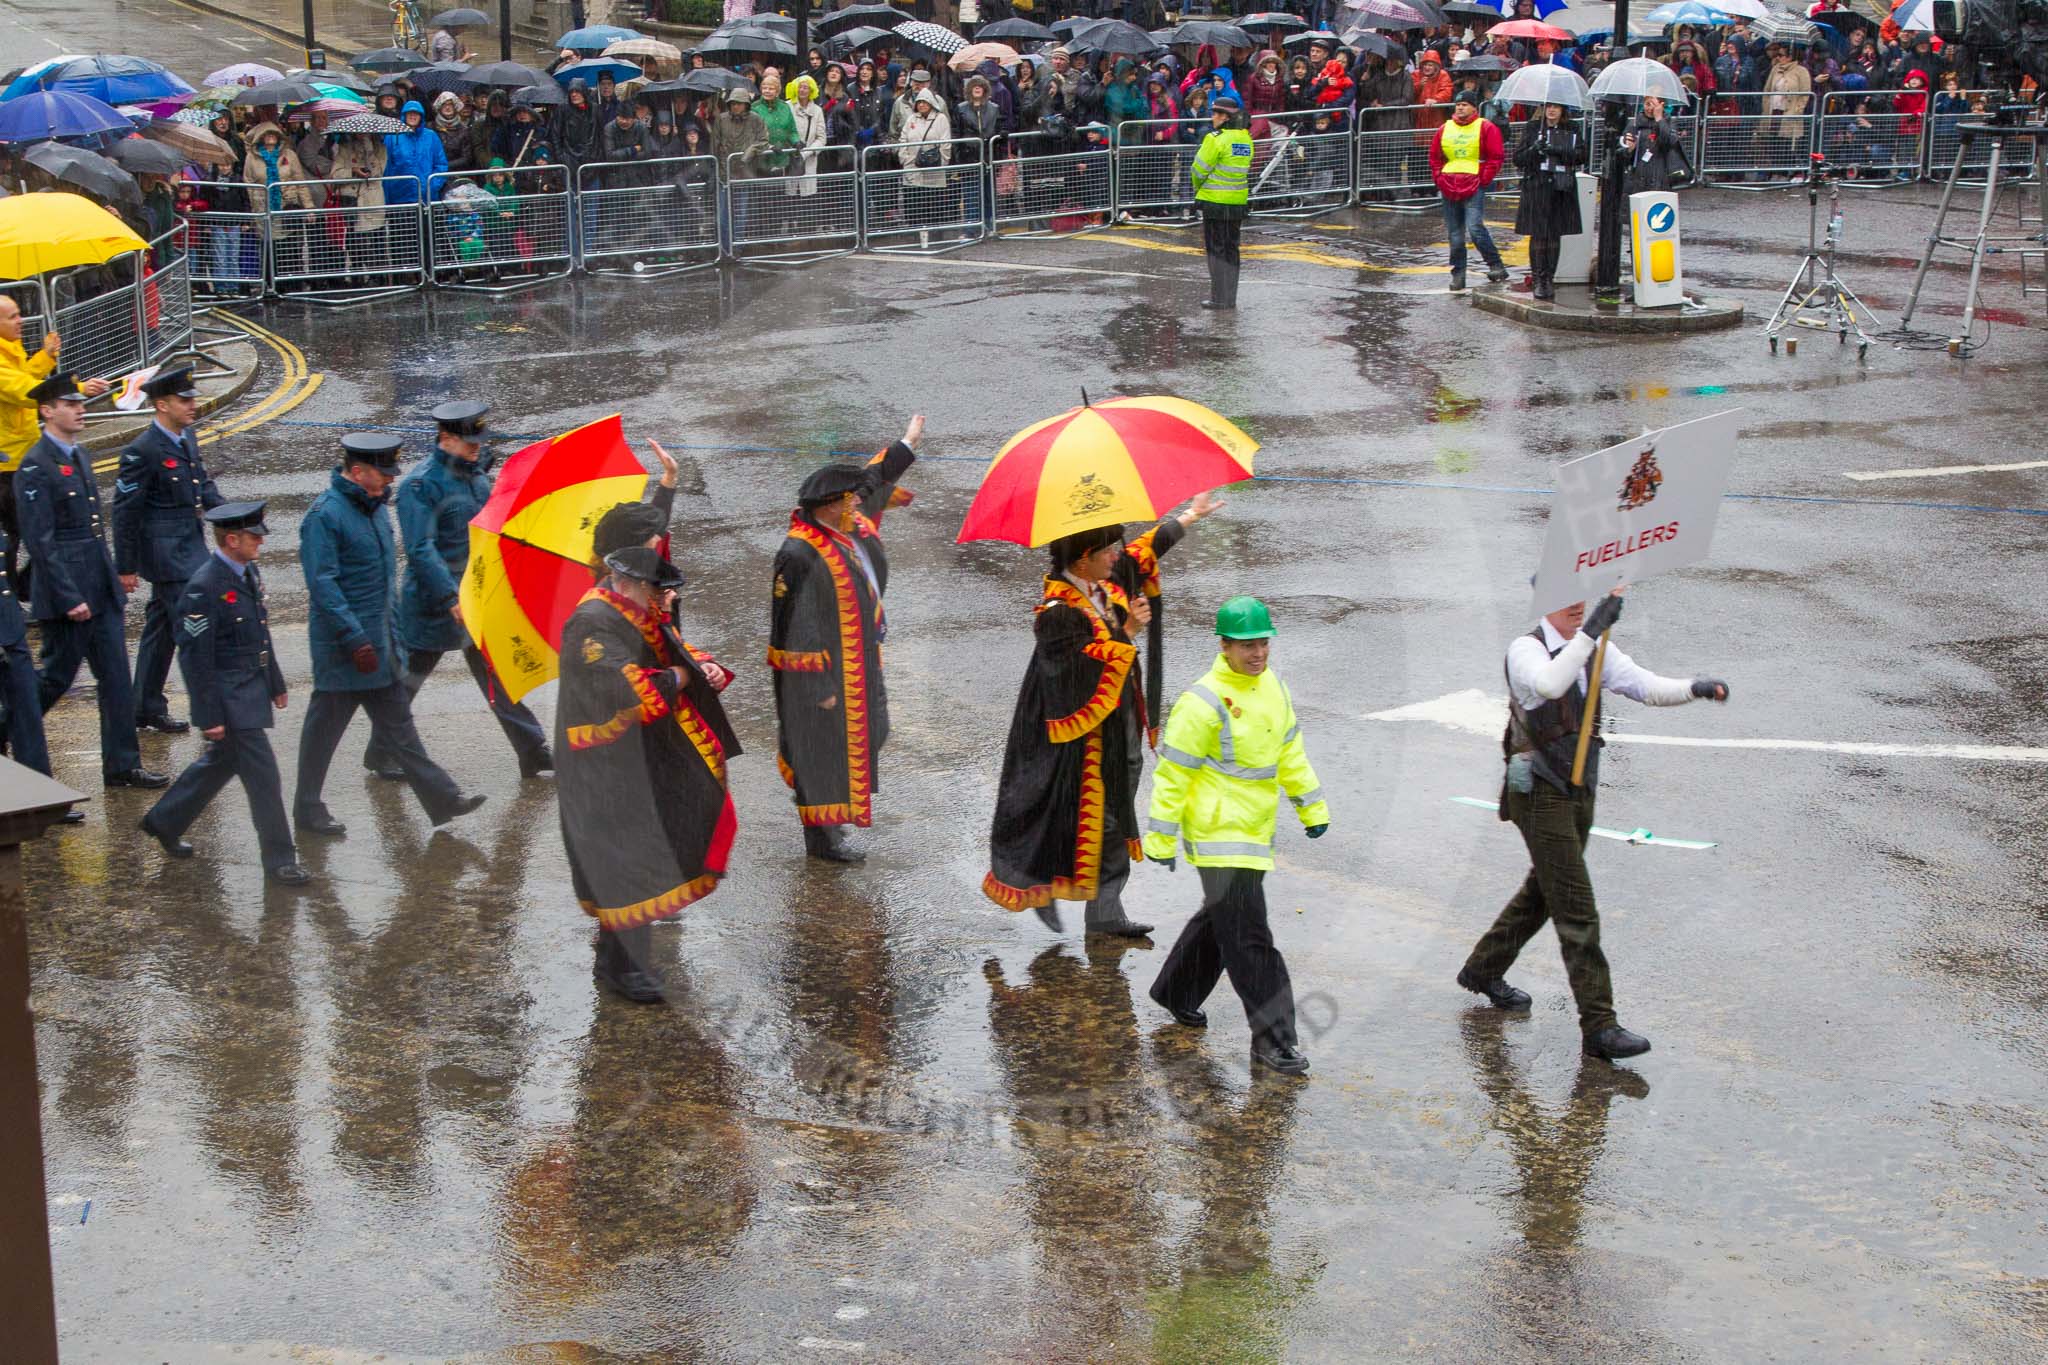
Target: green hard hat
x=1244, y=618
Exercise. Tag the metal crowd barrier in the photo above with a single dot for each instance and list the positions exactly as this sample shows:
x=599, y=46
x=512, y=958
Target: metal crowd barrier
x=1862, y=130
x=98, y=312
x=655, y=217
x=1943, y=139
x=1392, y=166
x=791, y=218
x=1297, y=173
x=1153, y=160
x=1733, y=148
x=498, y=243
x=165, y=319
x=225, y=246
x=1042, y=190
x=903, y=211
x=343, y=251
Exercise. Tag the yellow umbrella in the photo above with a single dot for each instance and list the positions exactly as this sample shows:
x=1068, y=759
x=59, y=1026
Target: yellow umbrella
x=55, y=231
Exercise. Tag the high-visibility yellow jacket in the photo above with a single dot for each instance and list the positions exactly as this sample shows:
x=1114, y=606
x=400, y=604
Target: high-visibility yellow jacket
x=19, y=427
x=1231, y=747
x=1223, y=167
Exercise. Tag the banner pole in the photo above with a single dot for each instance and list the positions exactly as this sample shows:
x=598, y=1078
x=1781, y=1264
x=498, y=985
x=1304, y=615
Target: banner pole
x=1591, y=717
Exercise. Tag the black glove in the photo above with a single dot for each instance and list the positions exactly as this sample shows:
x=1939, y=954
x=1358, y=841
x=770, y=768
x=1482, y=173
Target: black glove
x=1603, y=616
x=1705, y=687
x=1168, y=863
x=365, y=657
x=1317, y=831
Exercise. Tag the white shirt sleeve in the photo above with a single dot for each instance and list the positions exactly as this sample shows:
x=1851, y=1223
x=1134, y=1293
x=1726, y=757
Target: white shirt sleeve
x=1623, y=675
x=1537, y=678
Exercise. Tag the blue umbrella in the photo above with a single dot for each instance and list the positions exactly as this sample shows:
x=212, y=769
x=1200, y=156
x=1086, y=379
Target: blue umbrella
x=1687, y=12
x=113, y=79
x=588, y=71
x=596, y=38
x=43, y=114
x=1544, y=8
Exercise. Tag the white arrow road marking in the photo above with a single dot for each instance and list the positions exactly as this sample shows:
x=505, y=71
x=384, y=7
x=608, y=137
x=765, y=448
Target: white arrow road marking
x=1937, y=471
x=1477, y=713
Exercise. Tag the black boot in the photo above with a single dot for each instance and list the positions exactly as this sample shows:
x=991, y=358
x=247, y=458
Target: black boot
x=620, y=969
x=1615, y=1042
x=829, y=843
x=1493, y=988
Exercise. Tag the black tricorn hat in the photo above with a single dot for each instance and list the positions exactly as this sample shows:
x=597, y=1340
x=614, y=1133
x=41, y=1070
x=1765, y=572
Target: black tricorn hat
x=833, y=481
x=626, y=524
x=645, y=565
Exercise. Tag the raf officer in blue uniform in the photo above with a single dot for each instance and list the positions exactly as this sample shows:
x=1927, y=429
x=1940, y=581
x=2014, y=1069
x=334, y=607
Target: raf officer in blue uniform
x=74, y=592
x=350, y=560
x=161, y=496
x=235, y=685
x=435, y=502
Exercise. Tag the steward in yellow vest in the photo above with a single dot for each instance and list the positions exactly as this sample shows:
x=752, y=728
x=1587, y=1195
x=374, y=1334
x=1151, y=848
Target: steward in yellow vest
x=1464, y=157
x=1223, y=186
x=1232, y=745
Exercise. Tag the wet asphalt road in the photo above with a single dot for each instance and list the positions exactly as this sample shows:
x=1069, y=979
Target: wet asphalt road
x=884, y=1120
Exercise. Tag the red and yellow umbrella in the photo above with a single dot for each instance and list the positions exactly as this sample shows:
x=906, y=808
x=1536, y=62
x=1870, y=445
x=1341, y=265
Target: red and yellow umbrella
x=529, y=548
x=1122, y=460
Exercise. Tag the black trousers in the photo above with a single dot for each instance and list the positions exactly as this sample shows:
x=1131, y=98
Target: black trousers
x=390, y=708
x=1219, y=244
x=1557, y=890
x=19, y=689
x=99, y=644
x=153, y=652
x=1230, y=934
x=239, y=753
x=521, y=726
x=1114, y=873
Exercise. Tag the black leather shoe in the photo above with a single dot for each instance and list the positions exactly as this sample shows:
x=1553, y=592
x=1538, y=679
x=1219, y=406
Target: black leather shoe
x=288, y=874
x=384, y=768
x=74, y=816
x=1211, y=304
x=1192, y=1018
x=164, y=725
x=1287, y=1060
x=463, y=806
x=1615, y=1042
x=614, y=970
x=1495, y=989
x=1496, y=277
x=1049, y=916
x=827, y=842
x=137, y=777
x=323, y=823
x=1121, y=928
x=173, y=847
x=543, y=763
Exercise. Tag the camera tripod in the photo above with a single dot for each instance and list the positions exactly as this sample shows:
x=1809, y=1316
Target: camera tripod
x=1983, y=242
x=1817, y=297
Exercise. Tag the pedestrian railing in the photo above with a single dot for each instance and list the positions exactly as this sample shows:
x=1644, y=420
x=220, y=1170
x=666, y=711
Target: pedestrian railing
x=1043, y=189
x=226, y=246
x=922, y=209
x=1391, y=169
x=496, y=242
x=791, y=218
x=340, y=250
x=1864, y=132
x=1154, y=161
x=98, y=312
x=649, y=217
x=1740, y=149
x=1300, y=174
x=1944, y=138
x=165, y=318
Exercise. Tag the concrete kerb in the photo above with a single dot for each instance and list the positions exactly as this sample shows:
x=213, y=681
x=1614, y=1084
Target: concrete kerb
x=216, y=391
x=1577, y=313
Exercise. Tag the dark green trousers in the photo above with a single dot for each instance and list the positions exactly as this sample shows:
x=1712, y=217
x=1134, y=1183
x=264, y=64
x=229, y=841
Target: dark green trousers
x=1555, y=827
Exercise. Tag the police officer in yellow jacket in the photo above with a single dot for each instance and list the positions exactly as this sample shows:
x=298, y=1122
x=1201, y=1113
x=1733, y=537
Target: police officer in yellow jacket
x=1232, y=745
x=1223, y=183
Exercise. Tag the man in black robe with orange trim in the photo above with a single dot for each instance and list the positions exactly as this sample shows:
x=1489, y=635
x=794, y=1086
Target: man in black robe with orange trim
x=1066, y=822
x=825, y=633
x=641, y=743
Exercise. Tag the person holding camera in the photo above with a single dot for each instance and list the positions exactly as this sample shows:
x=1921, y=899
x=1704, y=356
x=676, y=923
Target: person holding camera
x=1657, y=158
x=1549, y=155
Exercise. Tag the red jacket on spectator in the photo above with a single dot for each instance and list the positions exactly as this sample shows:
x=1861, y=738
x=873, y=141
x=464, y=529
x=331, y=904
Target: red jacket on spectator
x=1460, y=186
x=1434, y=89
x=1334, y=85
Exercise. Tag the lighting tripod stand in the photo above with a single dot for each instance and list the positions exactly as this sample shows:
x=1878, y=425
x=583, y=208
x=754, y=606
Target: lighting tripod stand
x=1817, y=297
x=1983, y=242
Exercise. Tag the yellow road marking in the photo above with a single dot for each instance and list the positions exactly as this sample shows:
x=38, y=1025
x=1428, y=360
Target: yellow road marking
x=1517, y=254
x=299, y=385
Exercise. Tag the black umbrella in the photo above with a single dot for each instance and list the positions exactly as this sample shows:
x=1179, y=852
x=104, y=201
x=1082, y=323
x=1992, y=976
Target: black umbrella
x=509, y=74
x=89, y=171
x=1302, y=42
x=460, y=18
x=442, y=78
x=347, y=80
x=383, y=59
x=1470, y=9
x=1365, y=40
x=277, y=93
x=1271, y=21
x=140, y=157
x=751, y=38
x=852, y=40
x=539, y=96
x=1014, y=31
x=1205, y=32
x=1115, y=38
x=1067, y=28
x=857, y=16
x=1485, y=61
x=705, y=80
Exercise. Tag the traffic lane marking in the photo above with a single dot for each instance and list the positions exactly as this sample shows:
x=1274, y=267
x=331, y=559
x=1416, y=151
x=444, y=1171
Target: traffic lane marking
x=1940, y=470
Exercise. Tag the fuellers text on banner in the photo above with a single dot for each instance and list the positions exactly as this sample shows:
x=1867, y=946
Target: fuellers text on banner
x=1644, y=507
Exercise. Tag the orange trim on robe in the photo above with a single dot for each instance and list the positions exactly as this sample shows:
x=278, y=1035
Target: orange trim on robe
x=1088, y=830
x=1115, y=656
x=655, y=908
x=853, y=680
x=799, y=660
